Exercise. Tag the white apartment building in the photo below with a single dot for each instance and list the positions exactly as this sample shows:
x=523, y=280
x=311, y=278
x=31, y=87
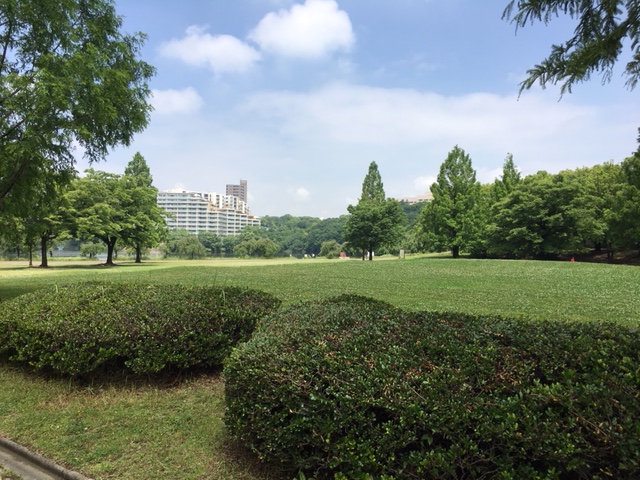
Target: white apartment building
x=205, y=212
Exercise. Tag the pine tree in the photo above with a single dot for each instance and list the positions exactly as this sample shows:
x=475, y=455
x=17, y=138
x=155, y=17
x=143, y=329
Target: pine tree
x=372, y=188
x=454, y=217
x=375, y=221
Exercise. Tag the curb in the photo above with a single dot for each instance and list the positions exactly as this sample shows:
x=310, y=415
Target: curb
x=40, y=462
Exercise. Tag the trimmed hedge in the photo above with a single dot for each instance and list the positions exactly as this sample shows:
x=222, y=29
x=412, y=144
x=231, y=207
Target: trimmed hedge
x=349, y=387
x=78, y=328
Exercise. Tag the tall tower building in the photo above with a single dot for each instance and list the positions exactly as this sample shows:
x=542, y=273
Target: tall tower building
x=239, y=191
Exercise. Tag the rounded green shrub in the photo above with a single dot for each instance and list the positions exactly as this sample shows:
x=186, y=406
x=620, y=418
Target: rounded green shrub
x=78, y=328
x=349, y=387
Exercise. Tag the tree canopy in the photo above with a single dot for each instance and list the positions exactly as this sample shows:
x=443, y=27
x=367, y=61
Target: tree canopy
x=146, y=226
x=68, y=77
x=372, y=187
x=598, y=40
x=452, y=219
x=98, y=199
x=375, y=221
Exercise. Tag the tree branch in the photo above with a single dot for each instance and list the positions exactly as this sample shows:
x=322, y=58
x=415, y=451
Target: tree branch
x=12, y=179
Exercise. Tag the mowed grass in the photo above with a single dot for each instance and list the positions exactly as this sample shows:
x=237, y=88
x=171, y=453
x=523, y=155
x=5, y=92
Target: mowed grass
x=139, y=428
x=539, y=290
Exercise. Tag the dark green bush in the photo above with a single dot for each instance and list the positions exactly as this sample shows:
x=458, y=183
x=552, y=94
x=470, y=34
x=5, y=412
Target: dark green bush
x=353, y=388
x=78, y=328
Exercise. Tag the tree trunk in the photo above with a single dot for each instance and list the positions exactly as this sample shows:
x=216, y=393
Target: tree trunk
x=43, y=251
x=111, y=243
x=138, y=254
x=455, y=251
x=370, y=253
x=364, y=254
x=30, y=256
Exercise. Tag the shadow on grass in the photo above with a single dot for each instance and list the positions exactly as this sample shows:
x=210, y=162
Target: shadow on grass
x=77, y=266
x=249, y=465
x=114, y=375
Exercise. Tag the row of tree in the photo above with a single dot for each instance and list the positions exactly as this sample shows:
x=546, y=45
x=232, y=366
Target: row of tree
x=110, y=208
x=539, y=216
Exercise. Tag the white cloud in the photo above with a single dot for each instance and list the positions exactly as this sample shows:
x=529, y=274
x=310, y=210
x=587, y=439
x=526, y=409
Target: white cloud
x=300, y=193
x=176, y=101
x=221, y=53
x=423, y=184
x=385, y=117
x=485, y=175
x=311, y=30
x=414, y=130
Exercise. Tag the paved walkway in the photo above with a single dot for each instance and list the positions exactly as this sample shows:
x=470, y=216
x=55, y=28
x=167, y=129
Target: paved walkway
x=31, y=466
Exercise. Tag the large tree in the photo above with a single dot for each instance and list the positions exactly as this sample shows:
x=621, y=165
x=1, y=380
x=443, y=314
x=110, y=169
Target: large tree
x=146, y=225
x=48, y=221
x=372, y=187
x=544, y=216
x=624, y=216
x=509, y=180
x=68, y=77
x=375, y=221
x=98, y=201
x=598, y=40
x=453, y=219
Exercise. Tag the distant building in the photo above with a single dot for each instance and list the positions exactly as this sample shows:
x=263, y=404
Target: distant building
x=206, y=212
x=425, y=197
x=239, y=191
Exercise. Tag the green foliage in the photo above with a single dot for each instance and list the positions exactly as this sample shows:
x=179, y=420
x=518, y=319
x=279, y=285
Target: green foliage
x=211, y=241
x=508, y=182
x=545, y=215
x=374, y=225
x=118, y=208
x=146, y=225
x=375, y=222
x=190, y=247
x=355, y=388
x=603, y=27
x=455, y=218
x=288, y=232
x=262, y=247
x=631, y=169
x=624, y=218
x=98, y=200
x=372, y=187
x=91, y=249
x=327, y=229
x=330, y=249
x=79, y=328
x=68, y=77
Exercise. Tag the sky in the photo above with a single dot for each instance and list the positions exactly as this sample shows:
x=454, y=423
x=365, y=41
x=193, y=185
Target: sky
x=299, y=97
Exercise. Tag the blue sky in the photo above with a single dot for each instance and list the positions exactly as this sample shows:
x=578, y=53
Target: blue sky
x=298, y=97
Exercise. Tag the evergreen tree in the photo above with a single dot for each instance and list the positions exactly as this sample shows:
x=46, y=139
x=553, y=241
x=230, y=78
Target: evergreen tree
x=137, y=172
x=602, y=29
x=375, y=221
x=509, y=180
x=454, y=218
x=372, y=188
x=146, y=226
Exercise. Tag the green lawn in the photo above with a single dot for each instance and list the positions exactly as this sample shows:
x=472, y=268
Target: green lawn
x=137, y=428
x=551, y=290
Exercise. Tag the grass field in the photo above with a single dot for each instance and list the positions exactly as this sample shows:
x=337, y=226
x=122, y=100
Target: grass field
x=139, y=428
